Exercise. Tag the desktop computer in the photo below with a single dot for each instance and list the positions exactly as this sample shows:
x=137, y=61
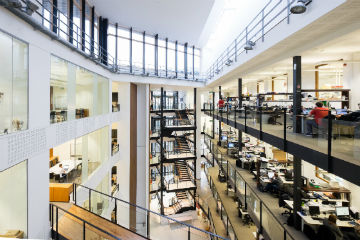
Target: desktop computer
x=342, y=213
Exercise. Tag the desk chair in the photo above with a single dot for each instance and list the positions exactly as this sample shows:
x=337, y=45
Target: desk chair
x=60, y=179
x=247, y=220
x=324, y=233
x=273, y=118
x=282, y=204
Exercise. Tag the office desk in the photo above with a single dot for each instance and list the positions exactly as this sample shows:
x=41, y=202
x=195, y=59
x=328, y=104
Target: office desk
x=68, y=165
x=308, y=220
x=284, y=181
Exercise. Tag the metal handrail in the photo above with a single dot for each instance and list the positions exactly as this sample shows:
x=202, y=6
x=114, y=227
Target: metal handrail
x=83, y=43
x=84, y=221
x=235, y=48
x=148, y=211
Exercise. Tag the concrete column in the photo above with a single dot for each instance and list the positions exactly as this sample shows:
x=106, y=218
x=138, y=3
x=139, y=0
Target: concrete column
x=123, y=167
x=142, y=183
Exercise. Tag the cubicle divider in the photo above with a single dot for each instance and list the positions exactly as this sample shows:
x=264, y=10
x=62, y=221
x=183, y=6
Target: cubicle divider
x=148, y=223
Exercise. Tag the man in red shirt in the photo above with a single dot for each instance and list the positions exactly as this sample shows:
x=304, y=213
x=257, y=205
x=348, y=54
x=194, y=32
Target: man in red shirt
x=221, y=104
x=319, y=112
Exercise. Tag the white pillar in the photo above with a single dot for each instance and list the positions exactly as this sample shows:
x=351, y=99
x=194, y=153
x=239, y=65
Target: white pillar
x=142, y=182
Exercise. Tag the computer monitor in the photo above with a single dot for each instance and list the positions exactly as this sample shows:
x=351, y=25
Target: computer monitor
x=230, y=145
x=306, y=112
x=223, y=138
x=271, y=174
x=342, y=211
x=248, y=156
x=314, y=210
x=341, y=111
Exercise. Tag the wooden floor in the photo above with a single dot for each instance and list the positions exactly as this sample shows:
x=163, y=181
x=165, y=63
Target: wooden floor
x=72, y=228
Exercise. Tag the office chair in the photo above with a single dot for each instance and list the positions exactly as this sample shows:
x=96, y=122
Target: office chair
x=60, y=179
x=273, y=118
x=309, y=232
x=324, y=233
x=247, y=220
x=282, y=204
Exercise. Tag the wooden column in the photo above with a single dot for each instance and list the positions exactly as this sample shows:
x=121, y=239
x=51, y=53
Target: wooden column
x=133, y=154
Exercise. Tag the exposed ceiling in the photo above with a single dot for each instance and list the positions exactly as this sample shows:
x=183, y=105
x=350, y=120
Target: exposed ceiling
x=177, y=20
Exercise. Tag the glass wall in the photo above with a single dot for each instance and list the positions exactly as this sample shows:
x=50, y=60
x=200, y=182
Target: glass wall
x=13, y=84
x=133, y=49
x=125, y=47
x=79, y=157
x=13, y=201
x=100, y=202
x=76, y=92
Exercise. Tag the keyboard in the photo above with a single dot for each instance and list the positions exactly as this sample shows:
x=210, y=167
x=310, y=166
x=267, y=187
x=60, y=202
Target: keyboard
x=344, y=218
x=317, y=218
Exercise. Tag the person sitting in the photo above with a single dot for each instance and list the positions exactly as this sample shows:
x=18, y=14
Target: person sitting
x=62, y=172
x=273, y=185
x=319, y=112
x=330, y=224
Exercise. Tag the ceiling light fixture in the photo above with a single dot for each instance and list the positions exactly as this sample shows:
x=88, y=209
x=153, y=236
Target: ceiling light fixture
x=299, y=7
x=249, y=45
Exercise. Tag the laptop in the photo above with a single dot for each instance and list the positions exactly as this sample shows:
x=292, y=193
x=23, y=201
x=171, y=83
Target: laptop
x=343, y=213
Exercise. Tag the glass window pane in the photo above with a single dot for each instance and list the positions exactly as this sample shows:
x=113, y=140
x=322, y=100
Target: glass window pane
x=180, y=61
x=84, y=93
x=162, y=57
x=47, y=11
x=20, y=85
x=197, y=62
x=123, y=48
x=96, y=36
x=111, y=42
x=190, y=62
x=137, y=51
x=150, y=54
x=171, y=59
x=76, y=26
x=5, y=83
x=87, y=35
x=63, y=21
x=58, y=90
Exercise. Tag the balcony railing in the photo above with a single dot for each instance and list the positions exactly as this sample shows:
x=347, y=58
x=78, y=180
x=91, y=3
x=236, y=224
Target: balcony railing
x=272, y=227
x=332, y=135
x=52, y=21
x=146, y=220
x=268, y=18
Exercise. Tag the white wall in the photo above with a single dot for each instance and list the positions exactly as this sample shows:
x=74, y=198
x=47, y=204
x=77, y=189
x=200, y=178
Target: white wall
x=13, y=200
x=352, y=81
x=38, y=196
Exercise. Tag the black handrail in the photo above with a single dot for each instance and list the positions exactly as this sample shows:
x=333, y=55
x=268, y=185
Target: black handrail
x=147, y=210
x=73, y=215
